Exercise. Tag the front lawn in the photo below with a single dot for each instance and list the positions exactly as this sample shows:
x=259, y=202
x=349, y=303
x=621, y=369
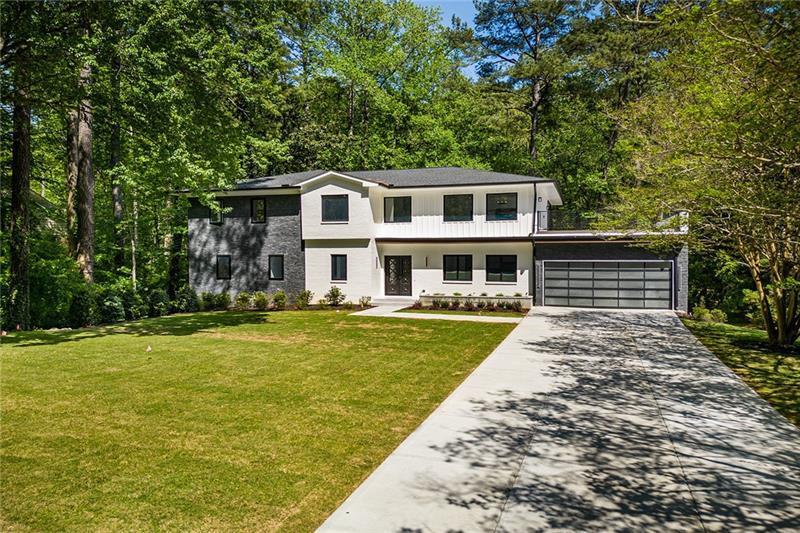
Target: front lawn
x=216, y=421
x=773, y=374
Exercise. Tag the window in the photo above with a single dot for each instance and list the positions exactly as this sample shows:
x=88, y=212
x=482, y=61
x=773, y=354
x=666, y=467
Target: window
x=457, y=207
x=258, y=210
x=458, y=268
x=501, y=268
x=397, y=209
x=334, y=208
x=223, y=267
x=276, y=267
x=501, y=206
x=339, y=267
x=215, y=217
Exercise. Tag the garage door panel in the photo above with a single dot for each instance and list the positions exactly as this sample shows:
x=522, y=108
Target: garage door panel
x=609, y=284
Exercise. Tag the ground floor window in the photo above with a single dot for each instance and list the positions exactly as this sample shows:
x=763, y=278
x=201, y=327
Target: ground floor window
x=276, y=267
x=339, y=267
x=223, y=267
x=501, y=268
x=457, y=267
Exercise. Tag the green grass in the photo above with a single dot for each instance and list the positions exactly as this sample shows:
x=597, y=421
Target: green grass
x=773, y=374
x=462, y=312
x=233, y=420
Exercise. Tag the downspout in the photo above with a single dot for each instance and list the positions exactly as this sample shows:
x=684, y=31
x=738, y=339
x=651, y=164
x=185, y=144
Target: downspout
x=533, y=245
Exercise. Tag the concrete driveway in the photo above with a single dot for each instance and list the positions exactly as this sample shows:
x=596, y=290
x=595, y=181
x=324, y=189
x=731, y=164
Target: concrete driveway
x=590, y=420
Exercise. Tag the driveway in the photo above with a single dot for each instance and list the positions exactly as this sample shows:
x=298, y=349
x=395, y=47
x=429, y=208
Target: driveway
x=589, y=420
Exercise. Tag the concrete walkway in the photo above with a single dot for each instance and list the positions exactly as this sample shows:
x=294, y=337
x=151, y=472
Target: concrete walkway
x=590, y=420
x=391, y=311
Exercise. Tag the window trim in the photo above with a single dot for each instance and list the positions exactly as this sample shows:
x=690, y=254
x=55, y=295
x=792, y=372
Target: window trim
x=516, y=207
x=322, y=209
x=471, y=208
x=253, y=210
x=516, y=265
x=269, y=267
x=458, y=270
x=410, y=207
x=221, y=214
x=333, y=266
x=230, y=266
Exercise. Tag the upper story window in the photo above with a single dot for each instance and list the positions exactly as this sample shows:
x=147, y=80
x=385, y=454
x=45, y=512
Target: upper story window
x=502, y=206
x=334, y=208
x=215, y=216
x=397, y=209
x=258, y=210
x=223, y=267
x=458, y=268
x=501, y=268
x=457, y=207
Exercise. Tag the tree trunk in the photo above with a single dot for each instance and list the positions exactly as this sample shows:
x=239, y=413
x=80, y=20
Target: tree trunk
x=351, y=95
x=19, y=281
x=134, y=239
x=536, y=98
x=174, y=280
x=117, y=200
x=72, y=180
x=85, y=203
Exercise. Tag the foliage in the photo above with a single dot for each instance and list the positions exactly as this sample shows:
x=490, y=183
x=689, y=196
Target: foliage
x=279, y=299
x=82, y=307
x=186, y=301
x=365, y=301
x=709, y=315
x=158, y=302
x=348, y=305
x=261, y=300
x=243, y=300
x=334, y=296
x=303, y=299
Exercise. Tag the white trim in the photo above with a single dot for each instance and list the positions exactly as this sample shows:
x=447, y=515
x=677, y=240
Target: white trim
x=671, y=272
x=331, y=173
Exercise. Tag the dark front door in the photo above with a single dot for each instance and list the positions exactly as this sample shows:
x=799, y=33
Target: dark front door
x=398, y=275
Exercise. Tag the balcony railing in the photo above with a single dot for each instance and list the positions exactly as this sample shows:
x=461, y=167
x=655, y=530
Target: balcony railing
x=555, y=220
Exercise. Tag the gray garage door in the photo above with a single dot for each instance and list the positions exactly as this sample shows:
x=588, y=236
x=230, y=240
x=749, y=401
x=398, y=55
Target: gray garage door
x=628, y=284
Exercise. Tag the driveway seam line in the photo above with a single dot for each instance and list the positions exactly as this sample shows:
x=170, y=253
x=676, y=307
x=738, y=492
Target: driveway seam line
x=664, y=422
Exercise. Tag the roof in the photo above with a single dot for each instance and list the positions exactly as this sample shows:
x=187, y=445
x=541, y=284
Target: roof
x=413, y=177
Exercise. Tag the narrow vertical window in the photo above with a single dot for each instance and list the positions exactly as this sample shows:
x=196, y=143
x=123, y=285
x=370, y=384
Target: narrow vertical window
x=258, y=210
x=276, y=267
x=339, y=268
x=223, y=267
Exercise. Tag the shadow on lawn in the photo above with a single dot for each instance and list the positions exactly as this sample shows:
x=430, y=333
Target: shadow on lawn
x=596, y=448
x=174, y=325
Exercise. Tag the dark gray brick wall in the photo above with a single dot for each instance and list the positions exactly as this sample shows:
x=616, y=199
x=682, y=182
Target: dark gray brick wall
x=565, y=251
x=248, y=244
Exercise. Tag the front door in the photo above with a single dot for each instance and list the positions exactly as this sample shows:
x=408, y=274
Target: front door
x=398, y=275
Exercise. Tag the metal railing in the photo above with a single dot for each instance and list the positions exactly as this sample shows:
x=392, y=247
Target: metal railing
x=555, y=220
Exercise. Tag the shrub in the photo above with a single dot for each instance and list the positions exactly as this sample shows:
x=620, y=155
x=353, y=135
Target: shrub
x=517, y=295
x=222, y=301
x=261, y=300
x=484, y=294
x=455, y=304
x=243, y=300
x=469, y=305
x=365, y=301
x=304, y=299
x=700, y=312
x=185, y=301
x=505, y=304
x=499, y=294
x=279, y=299
x=516, y=306
x=491, y=306
x=158, y=302
x=322, y=303
x=134, y=305
x=480, y=304
x=436, y=303
x=348, y=305
x=111, y=310
x=456, y=294
x=416, y=305
x=335, y=296
x=718, y=315
x=82, y=311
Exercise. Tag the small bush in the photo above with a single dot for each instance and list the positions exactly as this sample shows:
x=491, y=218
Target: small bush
x=469, y=305
x=455, y=304
x=322, y=303
x=436, y=303
x=505, y=305
x=516, y=306
x=348, y=305
x=206, y=301
x=279, y=299
x=517, y=295
x=491, y=306
x=480, y=304
x=499, y=295
x=261, y=300
x=304, y=299
x=111, y=310
x=718, y=315
x=158, y=303
x=416, y=305
x=82, y=310
x=365, y=301
x=222, y=301
x=703, y=314
x=484, y=294
x=456, y=294
x=186, y=301
x=335, y=296
x=244, y=300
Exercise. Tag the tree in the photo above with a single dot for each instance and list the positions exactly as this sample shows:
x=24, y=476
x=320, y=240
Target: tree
x=721, y=137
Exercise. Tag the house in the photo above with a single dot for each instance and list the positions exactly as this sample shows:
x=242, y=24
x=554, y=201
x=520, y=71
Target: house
x=402, y=234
